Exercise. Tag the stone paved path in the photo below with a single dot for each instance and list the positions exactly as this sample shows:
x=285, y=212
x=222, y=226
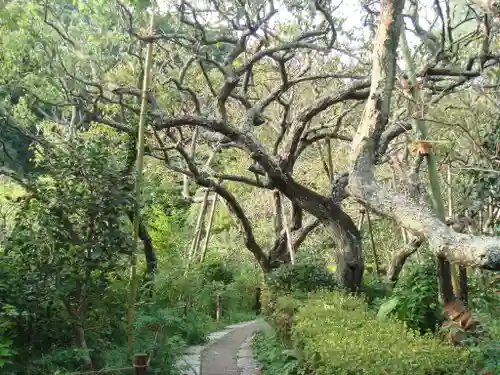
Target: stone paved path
x=231, y=355
x=229, y=352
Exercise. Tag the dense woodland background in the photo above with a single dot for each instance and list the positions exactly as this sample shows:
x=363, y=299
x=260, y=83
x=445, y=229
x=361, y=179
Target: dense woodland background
x=284, y=149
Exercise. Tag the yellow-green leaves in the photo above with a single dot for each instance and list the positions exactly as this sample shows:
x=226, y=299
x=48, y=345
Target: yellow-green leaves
x=340, y=330
x=237, y=62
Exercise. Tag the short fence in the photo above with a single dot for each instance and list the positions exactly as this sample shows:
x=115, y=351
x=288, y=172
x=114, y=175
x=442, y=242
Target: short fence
x=139, y=367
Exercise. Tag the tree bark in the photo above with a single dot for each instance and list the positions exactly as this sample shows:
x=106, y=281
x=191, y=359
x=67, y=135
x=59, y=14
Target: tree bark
x=372, y=242
x=343, y=230
x=149, y=251
x=82, y=342
x=445, y=283
x=399, y=259
x=279, y=254
x=490, y=6
x=413, y=214
x=277, y=217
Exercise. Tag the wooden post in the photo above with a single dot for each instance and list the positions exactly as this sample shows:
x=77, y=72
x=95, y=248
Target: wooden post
x=217, y=308
x=141, y=364
x=284, y=213
x=258, y=305
x=362, y=211
x=482, y=276
x=374, y=250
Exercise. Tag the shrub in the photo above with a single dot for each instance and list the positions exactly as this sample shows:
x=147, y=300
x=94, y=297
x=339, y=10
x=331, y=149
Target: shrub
x=275, y=358
x=301, y=277
x=374, y=289
x=414, y=299
x=338, y=334
x=216, y=271
x=282, y=316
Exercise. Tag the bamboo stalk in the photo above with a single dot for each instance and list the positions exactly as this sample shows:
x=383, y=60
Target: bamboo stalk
x=444, y=267
x=138, y=186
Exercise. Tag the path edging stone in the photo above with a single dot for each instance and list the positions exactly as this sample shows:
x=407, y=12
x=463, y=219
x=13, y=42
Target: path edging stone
x=247, y=364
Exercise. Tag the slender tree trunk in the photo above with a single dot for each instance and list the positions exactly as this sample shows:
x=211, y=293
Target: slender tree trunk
x=323, y=159
x=464, y=286
x=77, y=316
x=195, y=244
x=481, y=229
x=277, y=217
x=209, y=227
x=399, y=258
x=460, y=287
x=82, y=342
x=444, y=277
x=454, y=268
x=361, y=218
x=329, y=160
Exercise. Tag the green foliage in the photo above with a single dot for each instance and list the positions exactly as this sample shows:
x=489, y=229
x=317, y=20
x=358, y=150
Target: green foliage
x=69, y=249
x=374, y=289
x=301, y=277
x=6, y=332
x=275, y=357
x=68, y=244
x=216, y=272
x=338, y=334
x=414, y=299
x=66, y=266
x=485, y=344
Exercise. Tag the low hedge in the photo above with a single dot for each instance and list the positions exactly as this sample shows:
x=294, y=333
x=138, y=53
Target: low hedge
x=338, y=334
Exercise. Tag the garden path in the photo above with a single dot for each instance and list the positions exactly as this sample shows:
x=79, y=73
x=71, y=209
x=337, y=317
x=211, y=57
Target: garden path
x=228, y=352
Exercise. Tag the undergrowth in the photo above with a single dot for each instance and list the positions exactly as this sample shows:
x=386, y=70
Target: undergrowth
x=275, y=358
x=323, y=332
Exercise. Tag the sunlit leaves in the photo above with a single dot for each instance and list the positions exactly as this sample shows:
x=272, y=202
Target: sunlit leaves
x=75, y=218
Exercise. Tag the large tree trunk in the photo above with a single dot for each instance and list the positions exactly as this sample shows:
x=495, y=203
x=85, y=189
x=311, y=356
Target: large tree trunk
x=340, y=226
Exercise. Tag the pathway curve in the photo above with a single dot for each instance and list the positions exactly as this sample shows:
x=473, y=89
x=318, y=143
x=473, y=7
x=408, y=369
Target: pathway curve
x=228, y=352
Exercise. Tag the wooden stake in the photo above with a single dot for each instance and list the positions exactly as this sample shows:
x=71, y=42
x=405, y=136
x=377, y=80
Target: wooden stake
x=284, y=212
x=362, y=211
x=141, y=364
x=374, y=250
x=217, y=308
